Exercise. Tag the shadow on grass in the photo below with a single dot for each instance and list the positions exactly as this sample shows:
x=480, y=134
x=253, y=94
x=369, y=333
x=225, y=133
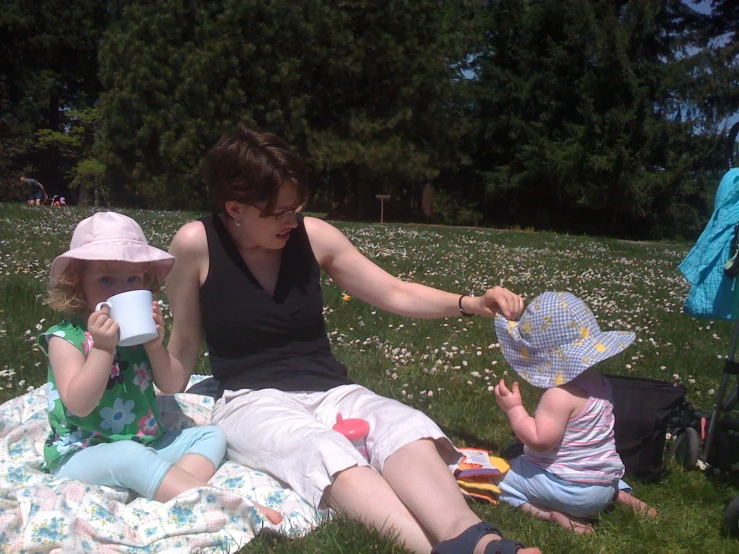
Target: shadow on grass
x=462, y=436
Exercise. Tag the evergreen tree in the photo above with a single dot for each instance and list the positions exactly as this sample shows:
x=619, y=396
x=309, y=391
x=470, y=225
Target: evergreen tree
x=716, y=69
x=385, y=110
x=364, y=90
x=48, y=64
x=578, y=103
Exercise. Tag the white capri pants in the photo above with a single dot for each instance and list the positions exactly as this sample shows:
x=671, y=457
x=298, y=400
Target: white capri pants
x=289, y=434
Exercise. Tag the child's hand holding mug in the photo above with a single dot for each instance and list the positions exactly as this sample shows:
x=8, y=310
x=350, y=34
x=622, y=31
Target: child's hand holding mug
x=103, y=329
x=159, y=321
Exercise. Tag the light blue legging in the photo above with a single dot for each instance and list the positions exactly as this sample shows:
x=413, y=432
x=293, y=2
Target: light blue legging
x=526, y=482
x=132, y=465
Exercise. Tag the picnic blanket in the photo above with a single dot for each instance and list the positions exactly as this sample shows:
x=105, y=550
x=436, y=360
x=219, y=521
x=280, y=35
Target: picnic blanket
x=42, y=513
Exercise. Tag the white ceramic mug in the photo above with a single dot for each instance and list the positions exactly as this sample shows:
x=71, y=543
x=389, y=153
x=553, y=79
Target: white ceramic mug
x=133, y=313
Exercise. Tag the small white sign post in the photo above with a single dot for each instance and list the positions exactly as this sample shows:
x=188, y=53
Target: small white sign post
x=382, y=198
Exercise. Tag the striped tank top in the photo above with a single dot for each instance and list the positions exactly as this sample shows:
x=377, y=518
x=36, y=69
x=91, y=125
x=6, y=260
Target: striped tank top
x=587, y=453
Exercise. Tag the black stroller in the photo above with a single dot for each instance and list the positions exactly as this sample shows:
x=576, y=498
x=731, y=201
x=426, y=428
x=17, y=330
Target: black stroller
x=712, y=440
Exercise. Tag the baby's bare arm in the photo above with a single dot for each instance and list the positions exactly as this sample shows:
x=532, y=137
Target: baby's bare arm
x=544, y=430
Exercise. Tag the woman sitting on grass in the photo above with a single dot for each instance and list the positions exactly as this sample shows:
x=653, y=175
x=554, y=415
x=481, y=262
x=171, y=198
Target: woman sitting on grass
x=570, y=468
x=247, y=281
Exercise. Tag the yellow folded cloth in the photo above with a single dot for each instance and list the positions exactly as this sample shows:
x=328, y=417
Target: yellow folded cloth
x=479, y=473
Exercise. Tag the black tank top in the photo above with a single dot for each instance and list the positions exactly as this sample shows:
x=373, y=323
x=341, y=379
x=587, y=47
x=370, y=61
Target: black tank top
x=258, y=341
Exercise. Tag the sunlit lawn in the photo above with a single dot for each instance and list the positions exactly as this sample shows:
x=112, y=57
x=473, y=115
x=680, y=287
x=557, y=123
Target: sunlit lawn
x=447, y=367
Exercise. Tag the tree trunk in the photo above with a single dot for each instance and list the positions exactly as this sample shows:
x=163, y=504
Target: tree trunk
x=427, y=201
x=54, y=177
x=83, y=195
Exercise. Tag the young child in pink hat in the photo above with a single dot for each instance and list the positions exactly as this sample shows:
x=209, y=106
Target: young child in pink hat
x=570, y=468
x=105, y=423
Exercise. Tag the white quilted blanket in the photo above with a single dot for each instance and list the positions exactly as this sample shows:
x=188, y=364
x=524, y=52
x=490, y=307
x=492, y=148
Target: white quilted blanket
x=40, y=513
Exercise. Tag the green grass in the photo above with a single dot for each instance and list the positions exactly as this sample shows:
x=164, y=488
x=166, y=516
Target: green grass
x=446, y=367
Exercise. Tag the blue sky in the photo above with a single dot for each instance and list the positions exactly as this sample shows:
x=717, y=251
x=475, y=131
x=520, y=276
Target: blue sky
x=702, y=7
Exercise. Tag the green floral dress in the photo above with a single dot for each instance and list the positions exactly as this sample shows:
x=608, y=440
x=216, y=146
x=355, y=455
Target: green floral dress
x=127, y=410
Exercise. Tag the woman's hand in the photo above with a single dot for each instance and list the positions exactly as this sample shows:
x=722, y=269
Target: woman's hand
x=507, y=399
x=103, y=329
x=498, y=300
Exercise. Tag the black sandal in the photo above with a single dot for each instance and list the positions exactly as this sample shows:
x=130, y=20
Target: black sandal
x=466, y=542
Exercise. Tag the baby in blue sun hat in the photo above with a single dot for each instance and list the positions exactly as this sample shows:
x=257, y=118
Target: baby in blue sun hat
x=570, y=468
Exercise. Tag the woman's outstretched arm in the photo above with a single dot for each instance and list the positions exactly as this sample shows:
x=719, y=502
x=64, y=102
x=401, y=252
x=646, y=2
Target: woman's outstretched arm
x=362, y=278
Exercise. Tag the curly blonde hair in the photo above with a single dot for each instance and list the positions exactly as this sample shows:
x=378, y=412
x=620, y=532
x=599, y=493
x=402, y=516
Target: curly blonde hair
x=67, y=296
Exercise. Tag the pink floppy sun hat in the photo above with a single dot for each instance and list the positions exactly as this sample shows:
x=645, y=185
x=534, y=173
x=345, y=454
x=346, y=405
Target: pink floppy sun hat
x=110, y=236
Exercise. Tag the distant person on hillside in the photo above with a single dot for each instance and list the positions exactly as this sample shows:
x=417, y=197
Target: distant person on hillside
x=248, y=283
x=570, y=468
x=36, y=191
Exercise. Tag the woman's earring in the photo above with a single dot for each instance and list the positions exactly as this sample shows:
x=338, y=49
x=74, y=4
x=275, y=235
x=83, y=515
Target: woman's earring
x=237, y=222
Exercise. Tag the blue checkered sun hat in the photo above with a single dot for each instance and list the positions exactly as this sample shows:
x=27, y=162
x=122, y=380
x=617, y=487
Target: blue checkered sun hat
x=556, y=339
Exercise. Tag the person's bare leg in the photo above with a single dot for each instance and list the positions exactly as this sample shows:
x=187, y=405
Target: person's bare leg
x=176, y=481
x=637, y=505
x=196, y=465
x=192, y=471
x=563, y=520
x=363, y=495
x=423, y=482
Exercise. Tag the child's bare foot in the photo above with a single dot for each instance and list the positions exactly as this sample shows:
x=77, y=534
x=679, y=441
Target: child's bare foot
x=637, y=505
x=563, y=520
x=273, y=516
x=570, y=523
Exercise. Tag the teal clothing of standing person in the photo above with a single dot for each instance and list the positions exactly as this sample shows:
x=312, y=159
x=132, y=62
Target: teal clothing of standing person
x=714, y=294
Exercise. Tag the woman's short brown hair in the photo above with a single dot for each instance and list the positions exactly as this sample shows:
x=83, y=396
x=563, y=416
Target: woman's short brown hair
x=248, y=166
x=67, y=296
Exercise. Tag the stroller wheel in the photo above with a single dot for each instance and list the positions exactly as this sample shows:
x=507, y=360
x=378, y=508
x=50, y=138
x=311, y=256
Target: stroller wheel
x=731, y=517
x=687, y=448
x=720, y=455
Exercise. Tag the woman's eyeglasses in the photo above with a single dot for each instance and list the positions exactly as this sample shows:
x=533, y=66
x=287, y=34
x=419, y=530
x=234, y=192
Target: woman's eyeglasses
x=284, y=215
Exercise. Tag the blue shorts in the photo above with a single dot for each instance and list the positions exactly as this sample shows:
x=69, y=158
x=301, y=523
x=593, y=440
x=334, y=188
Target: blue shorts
x=526, y=482
x=132, y=465
x=38, y=195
